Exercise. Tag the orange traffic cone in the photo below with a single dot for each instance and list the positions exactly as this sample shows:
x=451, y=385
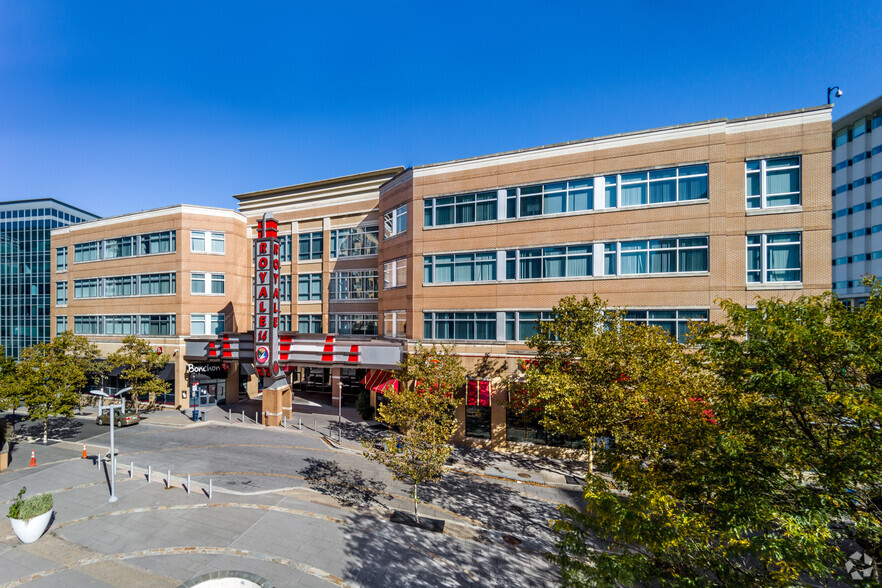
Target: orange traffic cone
x=84, y=451
x=33, y=459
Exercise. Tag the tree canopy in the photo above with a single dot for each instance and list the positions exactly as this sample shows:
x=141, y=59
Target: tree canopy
x=140, y=365
x=51, y=375
x=422, y=411
x=761, y=465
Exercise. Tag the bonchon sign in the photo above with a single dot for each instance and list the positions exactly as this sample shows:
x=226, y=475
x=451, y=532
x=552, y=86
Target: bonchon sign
x=266, y=297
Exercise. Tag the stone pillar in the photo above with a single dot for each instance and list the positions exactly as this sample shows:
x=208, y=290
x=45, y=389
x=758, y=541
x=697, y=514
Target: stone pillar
x=336, y=388
x=272, y=407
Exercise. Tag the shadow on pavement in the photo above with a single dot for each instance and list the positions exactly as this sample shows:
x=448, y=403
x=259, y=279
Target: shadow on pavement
x=483, y=458
x=495, y=505
x=59, y=428
x=348, y=486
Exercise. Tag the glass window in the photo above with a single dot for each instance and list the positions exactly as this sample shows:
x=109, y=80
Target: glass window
x=660, y=256
x=676, y=323
x=310, y=246
x=309, y=323
x=197, y=283
x=162, y=242
x=118, y=325
x=774, y=257
x=61, y=293
x=197, y=241
x=217, y=283
x=60, y=324
x=354, y=242
x=773, y=182
x=395, y=222
x=354, y=324
x=285, y=248
x=206, y=241
x=87, y=325
x=217, y=242
x=353, y=285
x=477, y=326
x=206, y=324
x=309, y=287
x=477, y=422
x=463, y=209
x=120, y=286
x=89, y=288
x=158, y=324
x=61, y=259
x=549, y=262
x=119, y=247
x=86, y=251
x=152, y=284
x=395, y=324
x=395, y=273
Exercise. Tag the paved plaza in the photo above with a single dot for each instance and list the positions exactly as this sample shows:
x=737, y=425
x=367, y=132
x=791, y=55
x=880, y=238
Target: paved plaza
x=295, y=506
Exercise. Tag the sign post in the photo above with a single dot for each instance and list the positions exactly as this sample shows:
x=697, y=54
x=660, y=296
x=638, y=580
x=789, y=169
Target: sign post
x=267, y=265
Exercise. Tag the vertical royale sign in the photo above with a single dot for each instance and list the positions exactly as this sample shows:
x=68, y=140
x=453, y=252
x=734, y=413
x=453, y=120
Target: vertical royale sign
x=266, y=297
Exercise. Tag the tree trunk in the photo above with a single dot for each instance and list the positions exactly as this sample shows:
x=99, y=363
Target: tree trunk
x=416, y=499
x=590, y=459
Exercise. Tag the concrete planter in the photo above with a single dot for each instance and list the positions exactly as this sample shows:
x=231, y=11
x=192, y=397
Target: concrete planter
x=32, y=529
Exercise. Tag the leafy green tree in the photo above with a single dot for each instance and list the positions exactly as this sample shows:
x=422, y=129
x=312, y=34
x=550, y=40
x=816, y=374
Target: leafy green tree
x=50, y=376
x=140, y=365
x=8, y=390
x=769, y=476
x=596, y=374
x=422, y=410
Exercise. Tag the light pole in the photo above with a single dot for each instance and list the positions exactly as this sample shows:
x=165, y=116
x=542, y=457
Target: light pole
x=830, y=91
x=112, y=474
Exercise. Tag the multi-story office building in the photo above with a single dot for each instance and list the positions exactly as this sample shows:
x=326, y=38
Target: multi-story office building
x=475, y=252
x=330, y=242
x=162, y=275
x=857, y=200
x=25, y=274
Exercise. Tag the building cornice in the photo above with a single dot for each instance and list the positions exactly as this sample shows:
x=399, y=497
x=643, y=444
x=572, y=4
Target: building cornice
x=177, y=209
x=711, y=127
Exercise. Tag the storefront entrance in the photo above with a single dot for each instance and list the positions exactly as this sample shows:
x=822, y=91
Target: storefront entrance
x=208, y=384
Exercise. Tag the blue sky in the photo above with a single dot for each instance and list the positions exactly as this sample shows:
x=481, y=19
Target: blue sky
x=121, y=106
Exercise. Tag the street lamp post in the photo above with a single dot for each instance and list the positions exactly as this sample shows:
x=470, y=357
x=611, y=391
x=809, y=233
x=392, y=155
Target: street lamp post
x=112, y=474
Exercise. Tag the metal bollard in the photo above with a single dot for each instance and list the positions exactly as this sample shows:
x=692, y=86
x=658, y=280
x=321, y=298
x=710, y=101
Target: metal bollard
x=132, y=470
x=149, y=474
x=315, y=425
x=284, y=422
x=256, y=421
x=168, y=480
x=188, y=483
x=209, y=488
x=243, y=416
x=231, y=415
x=300, y=423
x=98, y=462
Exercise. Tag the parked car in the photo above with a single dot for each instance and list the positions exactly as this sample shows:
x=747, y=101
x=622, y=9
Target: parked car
x=122, y=420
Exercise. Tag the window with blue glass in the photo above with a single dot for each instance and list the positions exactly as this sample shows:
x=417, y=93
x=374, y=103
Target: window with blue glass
x=773, y=182
x=309, y=323
x=309, y=246
x=774, y=257
x=663, y=185
x=677, y=323
x=463, y=326
x=553, y=198
x=521, y=325
x=459, y=267
x=354, y=242
x=662, y=256
x=548, y=262
x=457, y=210
x=309, y=287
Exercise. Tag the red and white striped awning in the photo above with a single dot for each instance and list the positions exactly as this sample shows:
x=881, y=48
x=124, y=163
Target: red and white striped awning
x=379, y=380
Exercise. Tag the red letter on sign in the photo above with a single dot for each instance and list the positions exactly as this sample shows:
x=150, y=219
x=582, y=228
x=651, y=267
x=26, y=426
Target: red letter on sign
x=262, y=335
x=263, y=248
x=276, y=322
x=275, y=248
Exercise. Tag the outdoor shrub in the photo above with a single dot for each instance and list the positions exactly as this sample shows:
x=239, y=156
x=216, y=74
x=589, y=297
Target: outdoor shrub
x=29, y=507
x=363, y=405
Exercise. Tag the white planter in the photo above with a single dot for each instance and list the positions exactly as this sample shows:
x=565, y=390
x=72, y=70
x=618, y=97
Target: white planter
x=31, y=530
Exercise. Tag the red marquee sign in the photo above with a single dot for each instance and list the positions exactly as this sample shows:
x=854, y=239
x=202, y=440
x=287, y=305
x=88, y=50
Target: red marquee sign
x=266, y=297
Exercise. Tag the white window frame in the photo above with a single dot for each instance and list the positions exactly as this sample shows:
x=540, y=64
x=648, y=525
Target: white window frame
x=395, y=273
x=395, y=222
x=61, y=292
x=395, y=323
x=762, y=172
x=763, y=269
x=209, y=240
x=208, y=280
x=207, y=320
x=60, y=259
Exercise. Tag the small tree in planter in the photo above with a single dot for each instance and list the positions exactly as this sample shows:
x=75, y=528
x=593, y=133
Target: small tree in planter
x=422, y=411
x=30, y=516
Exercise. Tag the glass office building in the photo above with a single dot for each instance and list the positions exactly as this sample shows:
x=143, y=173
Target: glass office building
x=26, y=268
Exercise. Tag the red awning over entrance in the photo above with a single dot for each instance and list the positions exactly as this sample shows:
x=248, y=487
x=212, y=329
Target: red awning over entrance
x=379, y=380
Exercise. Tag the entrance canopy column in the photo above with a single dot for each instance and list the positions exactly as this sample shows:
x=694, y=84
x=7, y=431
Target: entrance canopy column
x=336, y=388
